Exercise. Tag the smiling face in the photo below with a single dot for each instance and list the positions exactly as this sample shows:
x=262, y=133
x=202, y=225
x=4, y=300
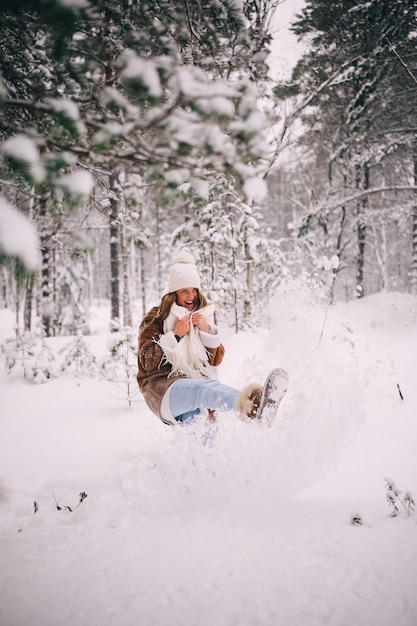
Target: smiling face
x=187, y=298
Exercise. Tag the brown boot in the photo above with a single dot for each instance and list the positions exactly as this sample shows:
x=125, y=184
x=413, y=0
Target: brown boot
x=248, y=400
x=211, y=415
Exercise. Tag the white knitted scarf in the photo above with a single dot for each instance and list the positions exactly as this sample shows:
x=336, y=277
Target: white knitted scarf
x=189, y=357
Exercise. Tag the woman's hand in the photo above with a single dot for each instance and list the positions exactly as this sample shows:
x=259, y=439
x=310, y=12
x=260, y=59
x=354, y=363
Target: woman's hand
x=182, y=326
x=200, y=321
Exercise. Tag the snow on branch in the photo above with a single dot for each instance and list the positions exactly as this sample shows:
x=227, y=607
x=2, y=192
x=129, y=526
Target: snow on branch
x=23, y=149
x=18, y=237
x=342, y=201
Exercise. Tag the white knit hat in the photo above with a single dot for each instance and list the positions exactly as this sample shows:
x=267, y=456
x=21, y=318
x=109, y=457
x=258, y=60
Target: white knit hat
x=183, y=273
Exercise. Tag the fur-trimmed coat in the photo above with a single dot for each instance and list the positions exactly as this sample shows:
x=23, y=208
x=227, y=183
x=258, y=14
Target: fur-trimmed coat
x=154, y=370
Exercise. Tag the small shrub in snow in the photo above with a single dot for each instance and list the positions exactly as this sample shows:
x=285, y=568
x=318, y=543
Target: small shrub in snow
x=120, y=366
x=78, y=358
x=397, y=498
x=82, y=497
x=356, y=520
x=30, y=351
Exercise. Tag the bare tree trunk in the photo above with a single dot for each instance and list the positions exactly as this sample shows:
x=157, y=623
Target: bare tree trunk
x=247, y=307
x=4, y=300
x=339, y=248
x=30, y=284
x=124, y=244
x=142, y=280
x=27, y=313
x=414, y=252
x=90, y=283
x=158, y=246
x=46, y=271
x=17, y=304
x=114, y=211
x=414, y=234
x=114, y=251
x=381, y=254
x=361, y=233
x=234, y=290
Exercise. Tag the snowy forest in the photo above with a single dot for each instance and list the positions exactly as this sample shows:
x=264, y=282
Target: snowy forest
x=129, y=129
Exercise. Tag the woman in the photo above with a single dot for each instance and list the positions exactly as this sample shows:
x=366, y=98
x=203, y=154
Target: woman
x=179, y=351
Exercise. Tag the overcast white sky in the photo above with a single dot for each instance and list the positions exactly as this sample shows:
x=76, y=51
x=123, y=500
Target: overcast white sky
x=285, y=48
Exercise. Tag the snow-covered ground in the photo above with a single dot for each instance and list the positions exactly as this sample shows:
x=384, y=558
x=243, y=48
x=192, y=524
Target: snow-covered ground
x=239, y=526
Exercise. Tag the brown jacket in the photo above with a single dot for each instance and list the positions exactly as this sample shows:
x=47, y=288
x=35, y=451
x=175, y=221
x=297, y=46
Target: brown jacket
x=153, y=370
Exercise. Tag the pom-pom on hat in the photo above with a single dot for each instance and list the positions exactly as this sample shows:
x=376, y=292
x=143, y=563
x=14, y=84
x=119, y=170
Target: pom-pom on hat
x=183, y=273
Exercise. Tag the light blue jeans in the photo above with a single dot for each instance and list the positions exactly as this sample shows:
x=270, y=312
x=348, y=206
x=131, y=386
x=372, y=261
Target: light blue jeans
x=188, y=396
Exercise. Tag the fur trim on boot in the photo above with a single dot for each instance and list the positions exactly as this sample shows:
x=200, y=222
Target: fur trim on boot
x=248, y=400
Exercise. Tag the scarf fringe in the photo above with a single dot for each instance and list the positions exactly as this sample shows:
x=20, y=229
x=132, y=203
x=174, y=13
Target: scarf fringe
x=189, y=357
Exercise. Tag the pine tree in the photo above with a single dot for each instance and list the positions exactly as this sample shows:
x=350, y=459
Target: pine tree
x=112, y=86
x=77, y=357
x=30, y=351
x=224, y=234
x=353, y=87
x=120, y=365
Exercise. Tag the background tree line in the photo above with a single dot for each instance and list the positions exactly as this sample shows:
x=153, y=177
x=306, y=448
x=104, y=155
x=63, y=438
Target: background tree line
x=128, y=128
x=354, y=92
